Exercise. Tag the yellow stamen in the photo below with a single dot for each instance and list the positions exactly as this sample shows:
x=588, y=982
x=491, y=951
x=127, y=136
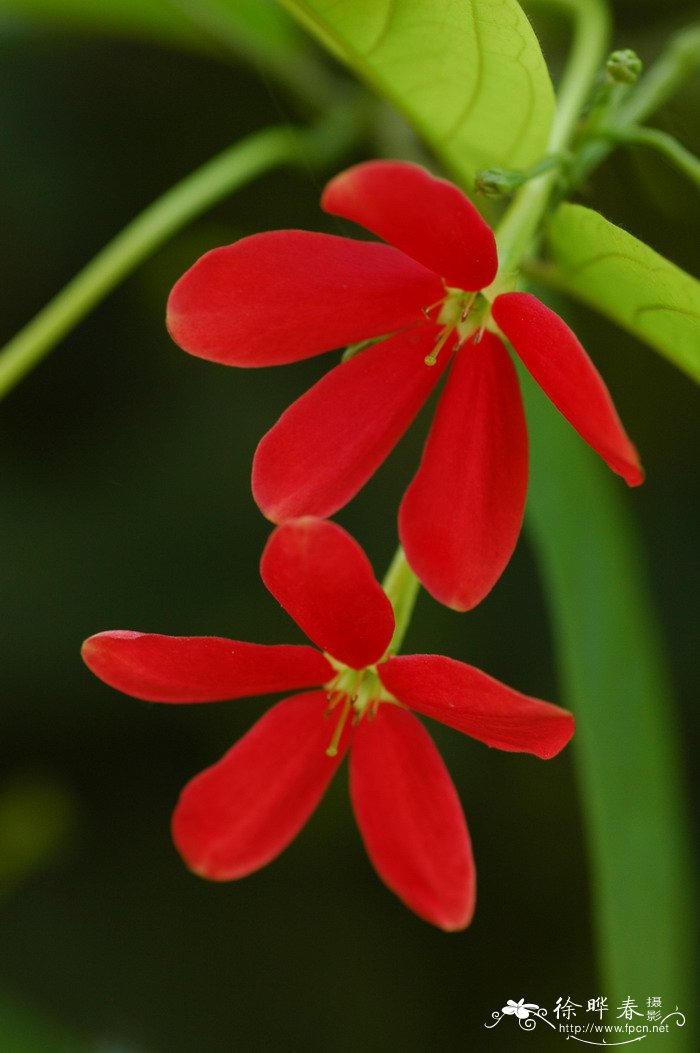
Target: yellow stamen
x=431, y=359
x=332, y=750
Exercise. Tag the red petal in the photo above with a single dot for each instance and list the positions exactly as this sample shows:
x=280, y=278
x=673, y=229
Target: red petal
x=323, y=579
x=326, y=446
x=470, y=701
x=242, y=812
x=289, y=294
x=561, y=367
x=461, y=516
x=427, y=218
x=199, y=668
x=410, y=818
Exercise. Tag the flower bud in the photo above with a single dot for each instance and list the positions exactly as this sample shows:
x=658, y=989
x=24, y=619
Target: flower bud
x=623, y=67
x=497, y=182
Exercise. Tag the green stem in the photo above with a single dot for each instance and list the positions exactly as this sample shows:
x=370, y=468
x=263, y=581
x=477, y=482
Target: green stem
x=317, y=145
x=664, y=144
x=520, y=224
x=522, y=220
x=679, y=61
x=402, y=587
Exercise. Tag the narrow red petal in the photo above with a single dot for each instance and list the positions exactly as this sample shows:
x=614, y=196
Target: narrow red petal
x=326, y=446
x=288, y=294
x=324, y=580
x=242, y=812
x=559, y=364
x=460, y=518
x=427, y=218
x=200, y=668
x=411, y=819
x=470, y=701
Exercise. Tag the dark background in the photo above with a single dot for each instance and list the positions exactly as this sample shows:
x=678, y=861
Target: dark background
x=125, y=503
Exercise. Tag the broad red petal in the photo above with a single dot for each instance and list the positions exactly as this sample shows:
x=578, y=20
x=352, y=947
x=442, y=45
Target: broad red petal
x=324, y=580
x=326, y=446
x=242, y=812
x=200, y=668
x=411, y=819
x=464, y=698
x=561, y=367
x=288, y=294
x=460, y=518
x=427, y=218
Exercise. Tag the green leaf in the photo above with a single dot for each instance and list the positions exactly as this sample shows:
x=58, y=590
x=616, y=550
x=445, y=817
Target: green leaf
x=254, y=26
x=468, y=75
x=623, y=278
x=626, y=747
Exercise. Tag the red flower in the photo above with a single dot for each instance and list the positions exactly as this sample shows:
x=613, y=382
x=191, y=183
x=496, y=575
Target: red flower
x=286, y=295
x=239, y=814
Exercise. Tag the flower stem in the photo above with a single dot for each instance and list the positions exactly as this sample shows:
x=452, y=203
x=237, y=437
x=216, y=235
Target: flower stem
x=522, y=220
x=315, y=146
x=664, y=144
x=679, y=61
x=402, y=587
x=520, y=224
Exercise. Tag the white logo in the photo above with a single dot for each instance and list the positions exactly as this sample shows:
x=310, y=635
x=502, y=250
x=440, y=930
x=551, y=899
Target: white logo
x=625, y=1029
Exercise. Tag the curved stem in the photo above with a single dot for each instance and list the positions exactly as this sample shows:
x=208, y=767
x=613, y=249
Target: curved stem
x=402, y=587
x=591, y=43
x=228, y=171
x=679, y=61
x=664, y=144
x=520, y=223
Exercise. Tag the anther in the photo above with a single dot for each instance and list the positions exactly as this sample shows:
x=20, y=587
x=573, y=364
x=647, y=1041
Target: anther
x=467, y=308
x=431, y=359
x=333, y=698
x=426, y=310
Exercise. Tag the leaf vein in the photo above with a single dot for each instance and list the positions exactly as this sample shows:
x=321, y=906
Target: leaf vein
x=384, y=30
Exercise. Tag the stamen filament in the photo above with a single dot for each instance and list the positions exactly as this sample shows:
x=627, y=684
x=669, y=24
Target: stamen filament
x=426, y=310
x=431, y=359
x=332, y=750
x=467, y=307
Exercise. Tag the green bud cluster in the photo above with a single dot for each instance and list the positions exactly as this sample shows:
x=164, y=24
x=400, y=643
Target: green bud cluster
x=624, y=66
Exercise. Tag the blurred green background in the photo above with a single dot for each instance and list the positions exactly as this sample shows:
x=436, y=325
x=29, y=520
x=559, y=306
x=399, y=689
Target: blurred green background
x=125, y=503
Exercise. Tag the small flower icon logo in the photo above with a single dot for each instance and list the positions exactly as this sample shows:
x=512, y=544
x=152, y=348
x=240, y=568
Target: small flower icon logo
x=521, y=1009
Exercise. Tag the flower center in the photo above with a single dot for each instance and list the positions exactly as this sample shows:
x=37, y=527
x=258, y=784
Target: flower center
x=356, y=692
x=462, y=312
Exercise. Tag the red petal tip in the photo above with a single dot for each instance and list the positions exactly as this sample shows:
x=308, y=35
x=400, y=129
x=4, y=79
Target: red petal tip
x=238, y=815
x=427, y=218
